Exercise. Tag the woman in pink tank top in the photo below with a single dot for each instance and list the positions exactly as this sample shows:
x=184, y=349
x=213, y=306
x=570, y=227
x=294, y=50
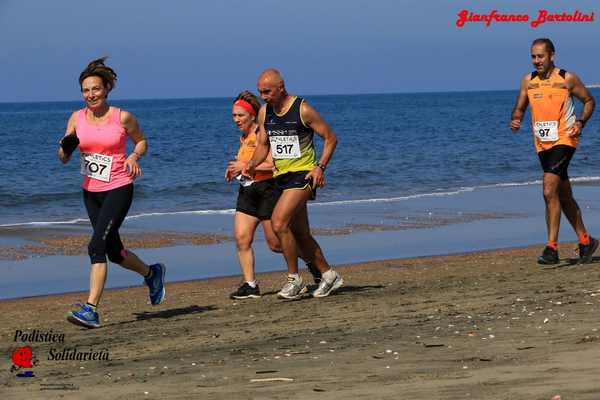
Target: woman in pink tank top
x=101, y=131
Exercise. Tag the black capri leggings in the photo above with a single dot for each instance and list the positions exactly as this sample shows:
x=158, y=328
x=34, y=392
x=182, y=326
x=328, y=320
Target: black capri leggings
x=107, y=210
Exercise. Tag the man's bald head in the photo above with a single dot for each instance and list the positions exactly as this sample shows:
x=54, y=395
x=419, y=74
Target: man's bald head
x=271, y=86
x=271, y=76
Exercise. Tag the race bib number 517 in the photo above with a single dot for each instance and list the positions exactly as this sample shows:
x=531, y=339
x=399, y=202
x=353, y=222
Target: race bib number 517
x=546, y=131
x=285, y=147
x=96, y=166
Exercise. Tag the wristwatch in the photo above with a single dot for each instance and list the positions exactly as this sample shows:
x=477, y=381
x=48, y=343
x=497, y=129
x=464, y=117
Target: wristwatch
x=321, y=166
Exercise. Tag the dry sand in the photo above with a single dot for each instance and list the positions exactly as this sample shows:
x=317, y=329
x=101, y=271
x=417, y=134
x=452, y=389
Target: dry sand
x=489, y=325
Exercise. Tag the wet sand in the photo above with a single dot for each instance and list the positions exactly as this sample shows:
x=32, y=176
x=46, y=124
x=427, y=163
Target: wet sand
x=72, y=240
x=48, y=243
x=485, y=325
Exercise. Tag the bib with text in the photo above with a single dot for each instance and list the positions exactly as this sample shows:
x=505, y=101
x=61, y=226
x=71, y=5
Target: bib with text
x=546, y=131
x=285, y=147
x=96, y=166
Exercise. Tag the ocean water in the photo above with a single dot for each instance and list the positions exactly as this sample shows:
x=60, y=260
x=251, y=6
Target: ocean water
x=391, y=147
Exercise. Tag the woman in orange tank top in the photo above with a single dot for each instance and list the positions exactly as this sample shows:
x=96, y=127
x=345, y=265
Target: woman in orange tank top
x=257, y=195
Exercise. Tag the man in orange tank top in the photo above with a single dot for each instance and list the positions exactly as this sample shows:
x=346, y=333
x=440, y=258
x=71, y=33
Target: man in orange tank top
x=550, y=90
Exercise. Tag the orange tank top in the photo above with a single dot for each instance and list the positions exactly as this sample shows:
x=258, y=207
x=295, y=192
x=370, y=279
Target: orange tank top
x=552, y=110
x=245, y=153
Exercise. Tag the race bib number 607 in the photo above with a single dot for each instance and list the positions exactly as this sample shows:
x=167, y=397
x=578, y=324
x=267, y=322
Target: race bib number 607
x=546, y=131
x=287, y=147
x=96, y=166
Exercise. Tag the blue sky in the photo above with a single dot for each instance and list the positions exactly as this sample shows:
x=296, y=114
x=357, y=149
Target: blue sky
x=195, y=48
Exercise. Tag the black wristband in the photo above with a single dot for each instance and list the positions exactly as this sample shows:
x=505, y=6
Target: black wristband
x=582, y=122
x=69, y=143
x=321, y=166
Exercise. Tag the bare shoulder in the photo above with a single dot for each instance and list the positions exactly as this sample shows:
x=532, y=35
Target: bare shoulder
x=308, y=112
x=572, y=79
x=526, y=78
x=72, y=123
x=305, y=106
x=127, y=117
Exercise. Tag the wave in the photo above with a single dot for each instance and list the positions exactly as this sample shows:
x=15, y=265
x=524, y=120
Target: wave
x=229, y=211
x=581, y=179
x=539, y=182
x=45, y=223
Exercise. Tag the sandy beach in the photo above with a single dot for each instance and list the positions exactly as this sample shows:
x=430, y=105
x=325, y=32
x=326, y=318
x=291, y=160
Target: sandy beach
x=485, y=325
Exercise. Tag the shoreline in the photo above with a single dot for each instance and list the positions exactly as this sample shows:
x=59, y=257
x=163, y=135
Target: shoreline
x=486, y=324
x=493, y=218
x=302, y=269
x=23, y=243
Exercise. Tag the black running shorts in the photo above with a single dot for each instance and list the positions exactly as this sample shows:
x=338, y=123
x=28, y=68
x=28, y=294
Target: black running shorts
x=556, y=160
x=258, y=199
x=295, y=180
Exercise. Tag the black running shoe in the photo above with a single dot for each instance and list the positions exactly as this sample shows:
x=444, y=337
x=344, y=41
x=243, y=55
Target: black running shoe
x=549, y=256
x=586, y=251
x=246, y=292
x=316, y=274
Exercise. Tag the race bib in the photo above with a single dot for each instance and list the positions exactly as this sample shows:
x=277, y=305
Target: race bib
x=96, y=166
x=285, y=147
x=546, y=131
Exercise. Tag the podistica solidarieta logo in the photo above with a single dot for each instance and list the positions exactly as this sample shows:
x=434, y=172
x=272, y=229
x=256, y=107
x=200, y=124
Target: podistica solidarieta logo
x=24, y=358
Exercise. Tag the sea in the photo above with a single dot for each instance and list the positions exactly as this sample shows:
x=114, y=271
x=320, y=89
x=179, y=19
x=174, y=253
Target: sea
x=413, y=175
x=391, y=147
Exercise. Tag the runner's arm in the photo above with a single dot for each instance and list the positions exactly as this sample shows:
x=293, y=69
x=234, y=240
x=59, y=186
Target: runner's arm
x=267, y=165
x=236, y=167
x=520, y=106
x=578, y=89
x=311, y=118
x=132, y=127
x=262, y=146
x=70, y=130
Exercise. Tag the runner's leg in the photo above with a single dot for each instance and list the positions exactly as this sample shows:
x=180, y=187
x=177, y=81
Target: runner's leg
x=306, y=242
x=553, y=205
x=571, y=208
x=288, y=205
x=98, y=269
x=270, y=236
x=244, y=228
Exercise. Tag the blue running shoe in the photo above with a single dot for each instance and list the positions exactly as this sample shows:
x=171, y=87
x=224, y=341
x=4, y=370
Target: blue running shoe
x=85, y=317
x=156, y=283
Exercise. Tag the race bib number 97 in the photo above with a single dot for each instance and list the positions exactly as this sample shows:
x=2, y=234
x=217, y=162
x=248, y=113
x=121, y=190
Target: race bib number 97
x=546, y=131
x=285, y=147
x=96, y=166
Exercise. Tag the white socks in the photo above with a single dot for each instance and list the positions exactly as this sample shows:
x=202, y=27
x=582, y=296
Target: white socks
x=330, y=275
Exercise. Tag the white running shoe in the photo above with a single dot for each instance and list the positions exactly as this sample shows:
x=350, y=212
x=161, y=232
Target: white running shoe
x=326, y=287
x=294, y=288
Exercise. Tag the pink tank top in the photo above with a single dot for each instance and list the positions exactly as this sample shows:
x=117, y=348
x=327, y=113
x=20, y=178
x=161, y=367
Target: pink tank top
x=102, y=150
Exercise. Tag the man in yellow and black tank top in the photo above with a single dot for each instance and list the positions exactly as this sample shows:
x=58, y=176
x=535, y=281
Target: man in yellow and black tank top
x=290, y=139
x=287, y=125
x=556, y=130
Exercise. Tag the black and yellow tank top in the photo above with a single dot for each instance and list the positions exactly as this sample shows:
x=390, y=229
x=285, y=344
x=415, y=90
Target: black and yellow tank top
x=291, y=140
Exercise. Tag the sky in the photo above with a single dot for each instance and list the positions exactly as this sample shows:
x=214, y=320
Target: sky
x=203, y=48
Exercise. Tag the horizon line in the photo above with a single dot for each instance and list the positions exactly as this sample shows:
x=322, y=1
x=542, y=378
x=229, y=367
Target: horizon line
x=227, y=97
x=592, y=86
